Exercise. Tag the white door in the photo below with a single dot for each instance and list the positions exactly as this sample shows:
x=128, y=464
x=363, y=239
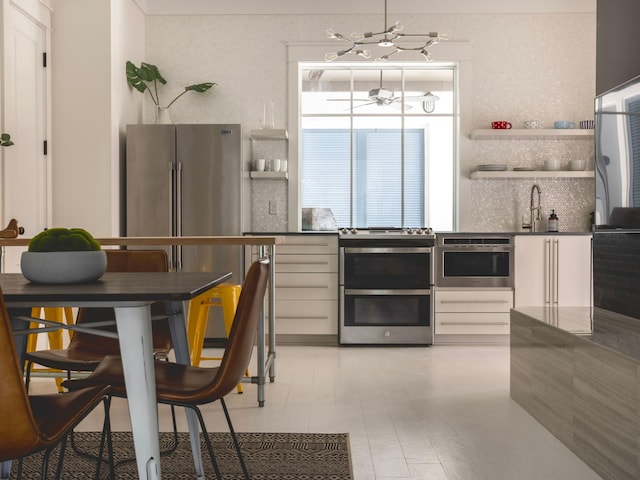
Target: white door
x=25, y=171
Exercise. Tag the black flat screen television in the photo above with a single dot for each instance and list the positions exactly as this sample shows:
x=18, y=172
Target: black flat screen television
x=617, y=157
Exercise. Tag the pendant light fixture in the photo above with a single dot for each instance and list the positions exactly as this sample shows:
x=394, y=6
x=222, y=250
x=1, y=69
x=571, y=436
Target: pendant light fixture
x=385, y=39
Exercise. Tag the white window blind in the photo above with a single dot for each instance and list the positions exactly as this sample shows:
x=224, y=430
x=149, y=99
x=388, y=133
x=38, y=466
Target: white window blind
x=369, y=187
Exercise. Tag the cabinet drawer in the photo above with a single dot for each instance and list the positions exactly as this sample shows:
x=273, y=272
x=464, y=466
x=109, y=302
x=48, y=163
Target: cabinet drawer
x=472, y=324
x=307, y=317
x=306, y=263
x=473, y=301
x=311, y=286
x=305, y=244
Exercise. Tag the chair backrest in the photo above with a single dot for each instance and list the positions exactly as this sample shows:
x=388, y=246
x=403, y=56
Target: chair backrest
x=18, y=431
x=237, y=354
x=125, y=261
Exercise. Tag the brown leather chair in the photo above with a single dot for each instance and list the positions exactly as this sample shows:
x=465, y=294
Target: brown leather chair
x=85, y=351
x=189, y=386
x=33, y=423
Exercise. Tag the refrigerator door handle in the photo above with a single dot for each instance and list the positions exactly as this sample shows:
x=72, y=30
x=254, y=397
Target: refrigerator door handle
x=178, y=223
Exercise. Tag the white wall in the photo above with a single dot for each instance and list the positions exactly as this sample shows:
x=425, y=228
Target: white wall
x=81, y=91
x=90, y=103
x=524, y=66
x=127, y=43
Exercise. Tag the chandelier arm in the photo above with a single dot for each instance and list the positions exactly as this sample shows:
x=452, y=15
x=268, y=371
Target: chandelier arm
x=373, y=42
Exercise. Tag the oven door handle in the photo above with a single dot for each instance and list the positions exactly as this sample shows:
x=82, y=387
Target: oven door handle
x=387, y=250
x=354, y=291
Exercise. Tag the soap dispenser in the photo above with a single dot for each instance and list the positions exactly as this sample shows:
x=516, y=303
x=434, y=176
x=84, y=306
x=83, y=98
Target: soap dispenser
x=552, y=225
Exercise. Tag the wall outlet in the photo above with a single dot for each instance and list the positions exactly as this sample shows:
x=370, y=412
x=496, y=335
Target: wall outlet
x=273, y=207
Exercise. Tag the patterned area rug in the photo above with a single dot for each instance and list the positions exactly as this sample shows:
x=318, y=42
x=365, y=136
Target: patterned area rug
x=269, y=456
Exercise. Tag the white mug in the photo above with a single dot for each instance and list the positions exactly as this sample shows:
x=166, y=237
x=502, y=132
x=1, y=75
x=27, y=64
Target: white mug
x=532, y=124
x=260, y=164
x=275, y=165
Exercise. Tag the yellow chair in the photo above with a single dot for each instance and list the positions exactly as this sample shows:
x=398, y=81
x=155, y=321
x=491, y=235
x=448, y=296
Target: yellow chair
x=54, y=314
x=225, y=295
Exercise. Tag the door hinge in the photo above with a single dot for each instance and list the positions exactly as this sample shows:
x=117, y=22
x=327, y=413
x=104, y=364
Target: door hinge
x=45, y=146
x=44, y=59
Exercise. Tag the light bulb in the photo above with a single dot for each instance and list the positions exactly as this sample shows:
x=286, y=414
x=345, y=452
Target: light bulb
x=331, y=56
x=363, y=53
x=426, y=55
x=331, y=33
x=356, y=37
x=429, y=106
x=397, y=27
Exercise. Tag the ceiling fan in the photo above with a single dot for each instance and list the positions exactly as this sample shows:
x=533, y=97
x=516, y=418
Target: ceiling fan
x=383, y=96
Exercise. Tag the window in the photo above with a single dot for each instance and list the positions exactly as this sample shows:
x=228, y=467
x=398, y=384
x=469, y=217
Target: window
x=372, y=148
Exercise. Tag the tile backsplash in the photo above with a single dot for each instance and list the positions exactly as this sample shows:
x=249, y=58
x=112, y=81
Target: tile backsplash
x=502, y=204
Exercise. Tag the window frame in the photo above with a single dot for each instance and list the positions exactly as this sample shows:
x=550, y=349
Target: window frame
x=449, y=52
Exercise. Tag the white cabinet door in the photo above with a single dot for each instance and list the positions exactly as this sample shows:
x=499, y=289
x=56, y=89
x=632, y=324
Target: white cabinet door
x=553, y=270
x=531, y=271
x=573, y=277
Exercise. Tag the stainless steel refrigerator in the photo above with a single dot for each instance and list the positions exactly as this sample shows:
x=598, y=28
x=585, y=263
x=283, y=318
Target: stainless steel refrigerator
x=187, y=180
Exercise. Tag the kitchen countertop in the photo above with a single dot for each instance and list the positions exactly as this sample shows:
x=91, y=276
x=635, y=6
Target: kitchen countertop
x=618, y=333
x=510, y=233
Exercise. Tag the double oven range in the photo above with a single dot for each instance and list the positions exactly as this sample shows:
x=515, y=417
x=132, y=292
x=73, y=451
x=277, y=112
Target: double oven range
x=386, y=279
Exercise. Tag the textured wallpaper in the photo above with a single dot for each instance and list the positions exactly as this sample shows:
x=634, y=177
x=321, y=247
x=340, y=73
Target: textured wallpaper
x=533, y=66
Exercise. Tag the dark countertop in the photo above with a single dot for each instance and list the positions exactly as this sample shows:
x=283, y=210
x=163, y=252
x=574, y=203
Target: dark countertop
x=615, y=332
x=546, y=234
x=335, y=232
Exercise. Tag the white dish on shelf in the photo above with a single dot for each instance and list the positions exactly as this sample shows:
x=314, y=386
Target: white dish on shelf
x=491, y=167
x=552, y=165
x=523, y=169
x=577, y=165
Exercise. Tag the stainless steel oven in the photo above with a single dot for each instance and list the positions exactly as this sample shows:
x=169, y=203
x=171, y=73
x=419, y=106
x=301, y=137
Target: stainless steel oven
x=474, y=260
x=385, y=288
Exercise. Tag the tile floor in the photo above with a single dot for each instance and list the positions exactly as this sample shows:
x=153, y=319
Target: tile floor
x=436, y=413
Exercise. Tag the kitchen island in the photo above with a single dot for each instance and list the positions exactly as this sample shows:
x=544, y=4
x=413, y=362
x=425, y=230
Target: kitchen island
x=577, y=371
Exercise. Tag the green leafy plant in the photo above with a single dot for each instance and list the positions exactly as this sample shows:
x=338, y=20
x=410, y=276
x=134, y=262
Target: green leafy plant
x=63, y=240
x=5, y=140
x=146, y=76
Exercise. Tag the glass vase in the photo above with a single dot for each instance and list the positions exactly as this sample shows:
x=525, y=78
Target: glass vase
x=163, y=116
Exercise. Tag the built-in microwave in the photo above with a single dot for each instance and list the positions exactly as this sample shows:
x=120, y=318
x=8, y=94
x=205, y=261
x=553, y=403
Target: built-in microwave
x=482, y=261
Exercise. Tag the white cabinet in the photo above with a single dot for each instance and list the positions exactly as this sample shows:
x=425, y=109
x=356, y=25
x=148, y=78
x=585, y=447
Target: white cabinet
x=472, y=311
x=306, y=289
x=553, y=270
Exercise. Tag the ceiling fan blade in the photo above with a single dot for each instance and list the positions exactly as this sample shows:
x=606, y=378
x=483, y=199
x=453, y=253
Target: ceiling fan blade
x=365, y=104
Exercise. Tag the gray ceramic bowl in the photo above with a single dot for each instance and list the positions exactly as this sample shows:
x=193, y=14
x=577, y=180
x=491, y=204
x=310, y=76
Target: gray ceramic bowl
x=63, y=267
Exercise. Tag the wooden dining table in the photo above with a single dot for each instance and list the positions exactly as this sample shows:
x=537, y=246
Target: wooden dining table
x=130, y=295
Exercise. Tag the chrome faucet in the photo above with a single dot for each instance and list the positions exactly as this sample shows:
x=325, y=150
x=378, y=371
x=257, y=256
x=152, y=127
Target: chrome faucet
x=533, y=206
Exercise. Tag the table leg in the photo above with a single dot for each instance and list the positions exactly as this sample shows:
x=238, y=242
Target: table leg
x=179, y=340
x=136, y=349
x=271, y=358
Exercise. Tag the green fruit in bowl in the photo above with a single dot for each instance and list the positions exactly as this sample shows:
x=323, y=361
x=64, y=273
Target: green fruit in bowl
x=63, y=240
